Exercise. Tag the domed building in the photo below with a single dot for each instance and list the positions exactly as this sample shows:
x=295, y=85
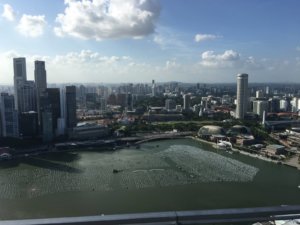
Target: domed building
x=210, y=130
x=239, y=130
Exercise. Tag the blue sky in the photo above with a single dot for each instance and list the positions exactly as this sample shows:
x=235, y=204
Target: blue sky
x=140, y=40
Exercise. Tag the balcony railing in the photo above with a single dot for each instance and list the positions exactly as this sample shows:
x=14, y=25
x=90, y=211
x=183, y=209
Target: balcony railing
x=237, y=215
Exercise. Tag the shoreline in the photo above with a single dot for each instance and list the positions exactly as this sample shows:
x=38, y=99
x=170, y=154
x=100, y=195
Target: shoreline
x=256, y=156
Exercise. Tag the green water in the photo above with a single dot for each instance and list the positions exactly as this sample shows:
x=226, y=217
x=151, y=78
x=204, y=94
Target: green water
x=160, y=176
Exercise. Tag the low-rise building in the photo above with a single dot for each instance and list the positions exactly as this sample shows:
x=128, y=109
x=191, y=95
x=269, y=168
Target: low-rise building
x=88, y=131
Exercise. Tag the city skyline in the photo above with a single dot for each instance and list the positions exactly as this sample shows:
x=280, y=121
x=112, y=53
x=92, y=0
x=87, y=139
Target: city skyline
x=203, y=41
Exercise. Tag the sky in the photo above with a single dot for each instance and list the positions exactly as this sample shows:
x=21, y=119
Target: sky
x=114, y=41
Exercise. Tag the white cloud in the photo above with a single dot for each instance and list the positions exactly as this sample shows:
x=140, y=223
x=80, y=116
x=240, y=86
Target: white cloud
x=87, y=57
x=82, y=66
x=107, y=19
x=205, y=37
x=8, y=12
x=88, y=66
x=227, y=59
x=31, y=26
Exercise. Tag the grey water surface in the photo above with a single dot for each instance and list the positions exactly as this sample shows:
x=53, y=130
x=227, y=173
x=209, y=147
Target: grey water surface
x=160, y=176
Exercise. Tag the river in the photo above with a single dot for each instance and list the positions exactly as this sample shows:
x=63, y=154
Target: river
x=160, y=176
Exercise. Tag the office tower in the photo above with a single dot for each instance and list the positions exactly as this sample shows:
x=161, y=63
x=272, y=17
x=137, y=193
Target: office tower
x=19, y=79
x=82, y=96
x=170, y=104
x=283, y=105
x=186, y=102
x=102, y=104
x=28, y=124
x=9, y=116
x=153, y=93
x=53, y=95
x=91, y=100
x=50, y=106
x=121, y=99
x=71, y=120
x=259, y=107
x=259, y=94
x=274, y=105
x=112, y=99
x=40, y=77
x=242, y=95
x=27, y=97
x=61, y=122
x=129, y=102
x=294, y=104
x=47, y=126
x=267, y=90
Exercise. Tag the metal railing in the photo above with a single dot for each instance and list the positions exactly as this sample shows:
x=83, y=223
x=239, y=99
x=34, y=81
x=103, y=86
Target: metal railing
x=216, y=216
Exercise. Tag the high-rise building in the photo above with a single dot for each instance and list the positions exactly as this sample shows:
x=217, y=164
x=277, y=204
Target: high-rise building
x=102, y=104
x=27, y=97
x=186, y=102
x=9, y=116
x=153, y=94
x=40, y=77
x=61, y=122
x=294, y=104
x=47, y=126
x=71, y=120
x=28, y=124
x=259, y=107
x=259, y=94
x=242, y=95
x=274, y=105
x=267, y=90
x=129, y=102
x=20, y=77
x=53, y=96
x=170, y=104
x=121, y=99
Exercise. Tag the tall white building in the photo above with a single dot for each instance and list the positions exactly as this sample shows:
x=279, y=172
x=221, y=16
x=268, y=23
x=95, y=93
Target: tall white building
x=295, y=104
x=153, y=94
x=259, y=94
x=242, y=95
x=259, y=107
x=283, y=104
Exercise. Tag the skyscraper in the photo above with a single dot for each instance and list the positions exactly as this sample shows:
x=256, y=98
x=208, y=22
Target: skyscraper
x=170, y=104
x=41, y=84
x=40, y=76
x=20, y=77
x=259, y=107
x=242, y=95
x=71, y=120
x=186, y=102
x=9, y=116
x=27, y=97
x=153, y=94
x=53, y=105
